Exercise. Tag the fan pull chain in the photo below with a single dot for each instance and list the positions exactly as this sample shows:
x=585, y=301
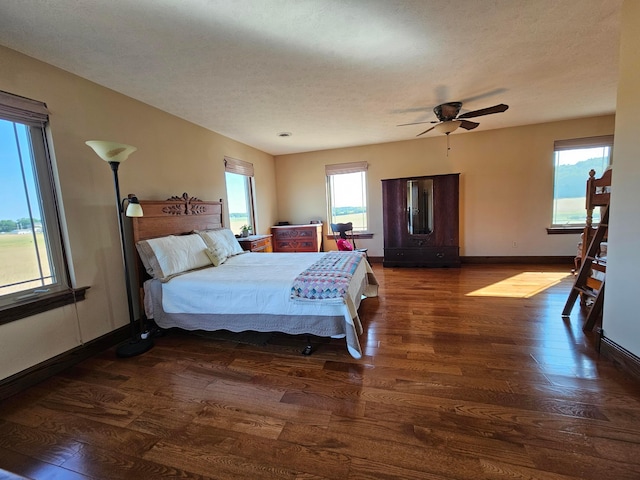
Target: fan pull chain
x=448, y=146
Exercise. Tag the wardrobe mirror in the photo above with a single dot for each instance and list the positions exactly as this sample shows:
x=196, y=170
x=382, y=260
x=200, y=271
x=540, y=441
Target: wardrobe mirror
x=420, y=206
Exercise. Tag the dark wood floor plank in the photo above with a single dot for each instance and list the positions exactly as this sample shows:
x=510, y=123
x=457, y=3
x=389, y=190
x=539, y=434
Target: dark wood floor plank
x=99, y=434
x=208, y=461
x=295, y=457
x=551, y=434
x=92, y=402
x=326, y=401
x=387, y=451
x=496, y=470
x=37, y=443
x=454, y=384
x=569, y=463
x=367, y=469
x=95, y=462
x=32, y=468
x=282, y=411
x=241, y=421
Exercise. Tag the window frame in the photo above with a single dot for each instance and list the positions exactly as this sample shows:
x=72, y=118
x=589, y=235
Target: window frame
x=575, y=144
x=16, y=305
x=245, y=169
x=342, y=169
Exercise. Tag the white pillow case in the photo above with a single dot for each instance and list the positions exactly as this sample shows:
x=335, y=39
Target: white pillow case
x=221, y=244
x=166, y=257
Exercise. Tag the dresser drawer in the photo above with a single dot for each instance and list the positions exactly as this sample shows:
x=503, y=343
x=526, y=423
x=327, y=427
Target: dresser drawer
x=294, y=233
x=295, y=246
x=422, y=257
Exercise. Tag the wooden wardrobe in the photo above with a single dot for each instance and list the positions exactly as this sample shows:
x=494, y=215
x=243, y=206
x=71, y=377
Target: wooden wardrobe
x=421, y=221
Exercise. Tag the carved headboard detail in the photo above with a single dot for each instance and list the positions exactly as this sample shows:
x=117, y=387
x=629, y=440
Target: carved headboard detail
x=187, y=206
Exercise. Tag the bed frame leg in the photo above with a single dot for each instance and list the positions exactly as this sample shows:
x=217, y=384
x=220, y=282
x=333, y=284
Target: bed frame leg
x=308, y=350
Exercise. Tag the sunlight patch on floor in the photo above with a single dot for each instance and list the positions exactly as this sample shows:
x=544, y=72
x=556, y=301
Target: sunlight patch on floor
x=523, y=285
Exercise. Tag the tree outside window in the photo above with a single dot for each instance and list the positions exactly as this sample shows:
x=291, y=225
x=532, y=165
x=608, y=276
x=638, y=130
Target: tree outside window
x=573, y=159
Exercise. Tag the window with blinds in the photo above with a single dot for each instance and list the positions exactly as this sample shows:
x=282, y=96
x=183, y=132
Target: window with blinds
x=573, y=159
x=347, y=194
x=31, y=253
x=239, y=179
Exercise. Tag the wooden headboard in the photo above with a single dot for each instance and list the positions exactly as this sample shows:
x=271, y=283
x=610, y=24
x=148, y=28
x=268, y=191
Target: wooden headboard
x=174, y=216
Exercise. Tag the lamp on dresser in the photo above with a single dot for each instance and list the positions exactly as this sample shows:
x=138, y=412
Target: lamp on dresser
x=114, y=154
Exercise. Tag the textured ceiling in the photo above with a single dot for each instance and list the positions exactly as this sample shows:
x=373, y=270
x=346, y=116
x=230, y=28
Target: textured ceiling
x=334, y=73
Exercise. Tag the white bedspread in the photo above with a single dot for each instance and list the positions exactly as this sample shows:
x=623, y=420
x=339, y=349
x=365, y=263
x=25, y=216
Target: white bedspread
x=260, y=283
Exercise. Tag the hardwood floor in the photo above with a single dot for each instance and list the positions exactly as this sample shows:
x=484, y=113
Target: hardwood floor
x=468, y=373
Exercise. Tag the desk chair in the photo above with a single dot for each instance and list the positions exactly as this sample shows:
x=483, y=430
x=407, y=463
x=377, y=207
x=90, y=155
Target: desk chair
x=343, y=236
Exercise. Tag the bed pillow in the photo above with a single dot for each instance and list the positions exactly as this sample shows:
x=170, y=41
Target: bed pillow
x=165, y=257
x=221, y=244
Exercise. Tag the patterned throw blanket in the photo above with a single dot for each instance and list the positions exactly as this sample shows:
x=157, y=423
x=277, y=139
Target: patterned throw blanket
x=328, y=278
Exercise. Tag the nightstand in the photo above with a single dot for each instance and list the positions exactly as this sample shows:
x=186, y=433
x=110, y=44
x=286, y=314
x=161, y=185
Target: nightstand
x=256, y=243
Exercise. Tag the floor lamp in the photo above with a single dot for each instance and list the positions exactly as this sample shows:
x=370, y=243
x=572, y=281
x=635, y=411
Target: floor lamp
x=114, y=154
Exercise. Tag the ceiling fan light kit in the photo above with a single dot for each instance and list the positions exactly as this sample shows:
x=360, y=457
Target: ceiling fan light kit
x=449, y=120
x=448, y=127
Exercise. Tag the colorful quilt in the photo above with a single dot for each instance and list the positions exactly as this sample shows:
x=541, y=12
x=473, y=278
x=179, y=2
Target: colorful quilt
x=328, y=278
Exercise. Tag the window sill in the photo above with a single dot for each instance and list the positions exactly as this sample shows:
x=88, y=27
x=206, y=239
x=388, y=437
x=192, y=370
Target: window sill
x=564, y=230
x=363, y=235
x=42, y=304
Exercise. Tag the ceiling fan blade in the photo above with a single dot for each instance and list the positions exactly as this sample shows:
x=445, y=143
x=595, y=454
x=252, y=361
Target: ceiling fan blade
x=467, y=125
x=414, y=123
x=427, y=130
x=485, y=111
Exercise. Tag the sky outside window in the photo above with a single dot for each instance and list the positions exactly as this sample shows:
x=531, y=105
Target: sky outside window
x=13, y=199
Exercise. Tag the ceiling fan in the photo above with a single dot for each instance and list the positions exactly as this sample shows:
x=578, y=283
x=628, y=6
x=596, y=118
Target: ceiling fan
x=449, y=120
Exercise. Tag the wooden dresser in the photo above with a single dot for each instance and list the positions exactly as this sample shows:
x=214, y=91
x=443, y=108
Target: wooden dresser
x=256, y=243
x=297, y=238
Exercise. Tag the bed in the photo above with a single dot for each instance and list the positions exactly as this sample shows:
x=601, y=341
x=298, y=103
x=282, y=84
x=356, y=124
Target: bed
x=194, y=275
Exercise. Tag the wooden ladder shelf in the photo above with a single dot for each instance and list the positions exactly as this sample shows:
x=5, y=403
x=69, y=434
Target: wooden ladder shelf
x=586, y=285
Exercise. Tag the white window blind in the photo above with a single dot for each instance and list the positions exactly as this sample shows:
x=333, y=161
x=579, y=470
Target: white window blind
x=233, y=165
x=23, y=110
x=341, y=168
x=587, y=142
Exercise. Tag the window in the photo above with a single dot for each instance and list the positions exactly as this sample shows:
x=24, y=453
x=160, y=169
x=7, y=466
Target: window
x=240, y=187
x=572, y=161
x=347, y=194
x=31, y=253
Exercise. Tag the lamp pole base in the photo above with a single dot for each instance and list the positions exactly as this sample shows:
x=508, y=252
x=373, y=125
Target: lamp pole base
x=134, y=347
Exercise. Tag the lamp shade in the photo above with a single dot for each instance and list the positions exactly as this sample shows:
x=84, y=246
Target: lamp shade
x=111, y=151
x=448, y=127
x=134, y=209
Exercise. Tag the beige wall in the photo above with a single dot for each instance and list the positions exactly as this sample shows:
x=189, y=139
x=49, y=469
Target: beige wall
x=621, y=319
x=506, y=184
x=173, y=157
